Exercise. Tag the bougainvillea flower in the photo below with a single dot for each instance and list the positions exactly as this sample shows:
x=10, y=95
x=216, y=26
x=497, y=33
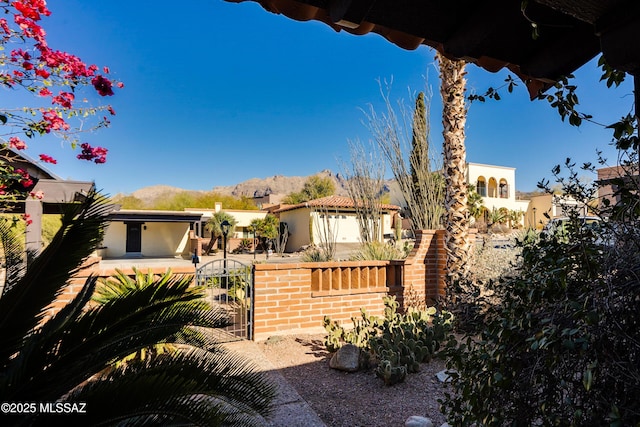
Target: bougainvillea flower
x=97, y=154
x=102, y=85
x=48, y=159
x=17, y=143
x=37, y=195
x=53, y=121
x=42, y=73
x=64, y=98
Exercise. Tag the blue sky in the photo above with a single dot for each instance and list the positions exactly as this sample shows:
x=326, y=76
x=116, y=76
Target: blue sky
x=217, y=93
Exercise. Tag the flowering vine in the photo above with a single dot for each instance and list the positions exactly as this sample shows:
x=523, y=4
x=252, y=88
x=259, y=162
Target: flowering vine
x=55, y=78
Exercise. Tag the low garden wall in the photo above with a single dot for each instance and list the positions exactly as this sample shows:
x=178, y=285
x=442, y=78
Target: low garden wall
x=295, y=297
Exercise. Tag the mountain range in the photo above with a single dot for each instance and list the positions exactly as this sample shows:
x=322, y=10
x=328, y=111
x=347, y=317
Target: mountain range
x=278, y=186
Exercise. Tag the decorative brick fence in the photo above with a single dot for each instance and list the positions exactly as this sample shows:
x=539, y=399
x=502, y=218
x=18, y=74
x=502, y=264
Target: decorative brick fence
x=295, y=297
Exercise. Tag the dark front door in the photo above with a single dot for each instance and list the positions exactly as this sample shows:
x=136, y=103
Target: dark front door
x=134, y=237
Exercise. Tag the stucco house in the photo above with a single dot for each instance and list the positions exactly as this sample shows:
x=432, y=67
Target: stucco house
x=305, y=221
x=610, y=179
x=497, y=186
x=149, y=233
x=546, y=206
x=241, y=231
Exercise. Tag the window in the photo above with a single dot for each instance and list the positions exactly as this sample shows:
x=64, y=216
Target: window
x=503, y=189
x=481, y=187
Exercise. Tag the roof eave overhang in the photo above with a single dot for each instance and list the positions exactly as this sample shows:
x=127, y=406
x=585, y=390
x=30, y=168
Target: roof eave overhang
x=493, y=34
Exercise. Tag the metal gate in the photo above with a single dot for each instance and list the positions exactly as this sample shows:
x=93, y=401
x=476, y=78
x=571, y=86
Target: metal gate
x=229, y=284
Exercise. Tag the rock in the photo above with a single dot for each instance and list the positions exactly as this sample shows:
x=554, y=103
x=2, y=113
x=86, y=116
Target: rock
x=443, y=376
x=417, y=421
x=274, y=339
x=347, y=358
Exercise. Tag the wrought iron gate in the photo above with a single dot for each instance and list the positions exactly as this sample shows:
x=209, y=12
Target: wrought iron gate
x=229, y=285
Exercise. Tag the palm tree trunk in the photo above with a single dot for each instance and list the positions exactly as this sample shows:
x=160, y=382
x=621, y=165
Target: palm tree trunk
x=454, y=115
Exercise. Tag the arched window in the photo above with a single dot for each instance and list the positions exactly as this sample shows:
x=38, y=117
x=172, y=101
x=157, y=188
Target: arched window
x=481, y=186
x=493, y=187
x=503, y=189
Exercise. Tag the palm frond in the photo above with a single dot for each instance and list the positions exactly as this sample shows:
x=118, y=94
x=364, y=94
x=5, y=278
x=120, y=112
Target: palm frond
x=109, y=332
x=77, y=354
x=121, y=283
x=13, y=255
x=23, y=306
x=232, y=392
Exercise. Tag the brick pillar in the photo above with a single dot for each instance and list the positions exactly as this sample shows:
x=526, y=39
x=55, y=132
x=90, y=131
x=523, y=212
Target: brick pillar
x=425, y=266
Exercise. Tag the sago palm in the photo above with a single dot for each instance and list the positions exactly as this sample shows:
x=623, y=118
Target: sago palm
x=77, y=355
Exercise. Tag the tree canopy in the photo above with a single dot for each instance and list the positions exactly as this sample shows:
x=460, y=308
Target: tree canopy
x=315, y=187
x=186, y=199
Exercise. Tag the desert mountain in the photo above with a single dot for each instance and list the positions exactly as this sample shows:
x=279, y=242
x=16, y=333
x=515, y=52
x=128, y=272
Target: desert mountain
x=277, y=185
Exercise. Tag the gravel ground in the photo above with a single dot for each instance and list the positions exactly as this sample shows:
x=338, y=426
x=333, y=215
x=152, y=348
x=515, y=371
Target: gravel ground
x=360, y=398
x=353, y=399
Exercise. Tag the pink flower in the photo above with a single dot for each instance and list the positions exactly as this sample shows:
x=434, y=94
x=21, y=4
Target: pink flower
x=53, y=121
x=37, y=195
x=48, y=159
x=64, y=98
x=17, y=143
x=32, y=9
x=106, y=70
x=25, y=180
x=120, y=85
x=97, y=154
x=42, y=73
x=45, y=92
x=31, y=29
x=5, y=26
x=27, y=65
x=111, y=110
x=102, y=85
x=27, y=219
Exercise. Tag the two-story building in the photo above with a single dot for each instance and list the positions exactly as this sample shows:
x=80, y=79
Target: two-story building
x=497, y=187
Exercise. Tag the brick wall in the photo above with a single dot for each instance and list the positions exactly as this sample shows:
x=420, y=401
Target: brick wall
x=295, y=297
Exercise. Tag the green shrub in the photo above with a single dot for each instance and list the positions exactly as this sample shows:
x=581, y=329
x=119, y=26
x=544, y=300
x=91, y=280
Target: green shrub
x=315, y=255
x=560, y=343
x=378, y=251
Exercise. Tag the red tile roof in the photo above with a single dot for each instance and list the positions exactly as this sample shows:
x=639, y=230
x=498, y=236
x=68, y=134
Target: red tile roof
x=331, y=202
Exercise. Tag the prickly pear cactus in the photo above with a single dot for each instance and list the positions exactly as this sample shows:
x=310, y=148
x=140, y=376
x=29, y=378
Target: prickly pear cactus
x=398, y=343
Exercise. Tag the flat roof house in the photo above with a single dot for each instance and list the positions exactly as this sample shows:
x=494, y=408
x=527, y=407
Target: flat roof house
x=307, y=221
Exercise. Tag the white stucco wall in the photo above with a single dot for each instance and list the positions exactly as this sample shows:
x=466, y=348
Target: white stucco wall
x=165, y=239
x=114, y=240
x=298, y=222
x=476, y=170
x=159, y=239
x=343, y=225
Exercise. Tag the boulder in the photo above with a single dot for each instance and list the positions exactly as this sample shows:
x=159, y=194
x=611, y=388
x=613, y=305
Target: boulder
x=417, y=421
x=347, y=358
